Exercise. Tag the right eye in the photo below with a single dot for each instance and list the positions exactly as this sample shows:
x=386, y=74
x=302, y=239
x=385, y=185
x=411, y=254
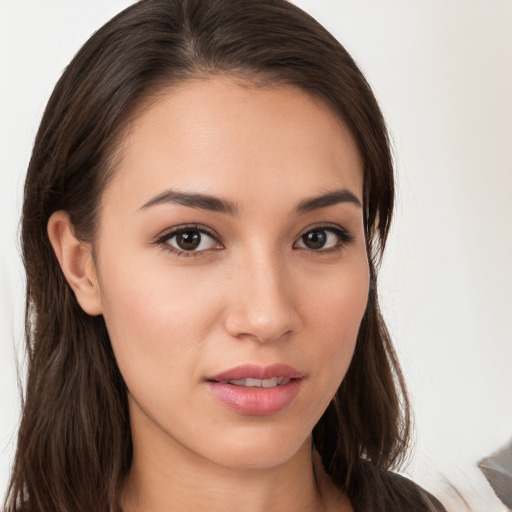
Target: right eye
x=188, y=241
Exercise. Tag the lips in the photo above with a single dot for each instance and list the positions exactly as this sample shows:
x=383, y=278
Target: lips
x=256, y=390
x=252, y=371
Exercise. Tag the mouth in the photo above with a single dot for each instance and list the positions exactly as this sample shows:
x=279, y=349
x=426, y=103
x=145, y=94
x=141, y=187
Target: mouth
x=255, y=390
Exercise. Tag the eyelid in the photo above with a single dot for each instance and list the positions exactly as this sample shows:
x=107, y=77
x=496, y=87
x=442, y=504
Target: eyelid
x=345, y=237
x=162, y=239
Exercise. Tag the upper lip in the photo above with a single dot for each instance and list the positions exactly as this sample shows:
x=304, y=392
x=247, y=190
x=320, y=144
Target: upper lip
x=253, y=371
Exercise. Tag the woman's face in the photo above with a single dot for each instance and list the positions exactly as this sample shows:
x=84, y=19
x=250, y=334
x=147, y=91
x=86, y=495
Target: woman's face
x=232, y=270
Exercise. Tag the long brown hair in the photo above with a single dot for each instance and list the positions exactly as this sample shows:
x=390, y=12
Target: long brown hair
x=74, y=446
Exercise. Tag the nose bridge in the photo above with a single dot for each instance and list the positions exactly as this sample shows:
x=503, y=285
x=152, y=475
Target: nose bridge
x=263, y=306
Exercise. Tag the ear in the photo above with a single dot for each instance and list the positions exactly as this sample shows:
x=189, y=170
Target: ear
x=76, y=261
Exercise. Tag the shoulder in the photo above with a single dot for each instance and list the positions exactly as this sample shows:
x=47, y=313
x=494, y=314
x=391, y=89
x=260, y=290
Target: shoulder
x=381, y=490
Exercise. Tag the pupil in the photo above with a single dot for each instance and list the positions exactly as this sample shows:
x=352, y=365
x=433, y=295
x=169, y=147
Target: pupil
x=188, y=240
x=315, y=239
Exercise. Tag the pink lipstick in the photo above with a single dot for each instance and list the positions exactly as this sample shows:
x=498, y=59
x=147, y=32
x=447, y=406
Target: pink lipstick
x=257, y=390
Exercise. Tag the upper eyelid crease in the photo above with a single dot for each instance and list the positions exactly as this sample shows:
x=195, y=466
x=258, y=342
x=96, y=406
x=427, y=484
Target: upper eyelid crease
x=163, y=239
x=343, y=234
x=328, y=226
x=171, y=232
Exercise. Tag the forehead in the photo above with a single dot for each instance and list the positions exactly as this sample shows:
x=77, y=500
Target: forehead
x=228, y=139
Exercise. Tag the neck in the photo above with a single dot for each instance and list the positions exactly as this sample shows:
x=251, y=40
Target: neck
x=167, y=476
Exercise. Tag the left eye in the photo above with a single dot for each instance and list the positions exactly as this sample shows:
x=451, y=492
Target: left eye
x=190, y=240
x=322, y=238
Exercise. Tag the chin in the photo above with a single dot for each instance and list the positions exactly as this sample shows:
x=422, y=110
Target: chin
x=259, y=449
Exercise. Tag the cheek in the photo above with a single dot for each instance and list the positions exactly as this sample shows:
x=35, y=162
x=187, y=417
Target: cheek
x=155, y=317
x=336, y=311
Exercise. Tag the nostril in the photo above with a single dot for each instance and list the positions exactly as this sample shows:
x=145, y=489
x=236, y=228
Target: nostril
x=265, y=328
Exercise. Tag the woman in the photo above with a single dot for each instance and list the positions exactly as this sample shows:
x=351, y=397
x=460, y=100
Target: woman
x=207, y=201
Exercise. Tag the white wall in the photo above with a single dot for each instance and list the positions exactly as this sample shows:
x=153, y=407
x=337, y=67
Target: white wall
x=442, y=71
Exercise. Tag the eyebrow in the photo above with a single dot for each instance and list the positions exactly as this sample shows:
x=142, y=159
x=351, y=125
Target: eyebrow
x=215, y=204
x=193, y=200
x=329, y=199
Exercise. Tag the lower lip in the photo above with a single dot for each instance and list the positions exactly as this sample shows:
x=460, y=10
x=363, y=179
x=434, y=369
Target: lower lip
x=256, y=401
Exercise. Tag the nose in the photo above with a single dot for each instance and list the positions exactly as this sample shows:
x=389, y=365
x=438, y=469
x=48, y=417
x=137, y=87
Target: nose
x=262, y=304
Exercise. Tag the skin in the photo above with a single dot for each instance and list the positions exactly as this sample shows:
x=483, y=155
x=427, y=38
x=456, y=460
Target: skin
x=253, y=293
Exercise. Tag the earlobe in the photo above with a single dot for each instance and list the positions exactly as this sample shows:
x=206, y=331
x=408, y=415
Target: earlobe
x=76, y=261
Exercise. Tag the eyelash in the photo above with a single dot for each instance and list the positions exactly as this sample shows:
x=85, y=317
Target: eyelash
x=164, y=238
x=344, y=238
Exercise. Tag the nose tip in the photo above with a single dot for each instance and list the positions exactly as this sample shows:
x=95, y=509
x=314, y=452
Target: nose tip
x=265, y=326
x=266, y=311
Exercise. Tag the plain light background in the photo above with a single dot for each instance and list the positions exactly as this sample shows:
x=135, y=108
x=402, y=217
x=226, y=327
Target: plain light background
x=442, y=72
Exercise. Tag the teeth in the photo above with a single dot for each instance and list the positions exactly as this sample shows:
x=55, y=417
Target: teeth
x=270, y=383
x=259, y=383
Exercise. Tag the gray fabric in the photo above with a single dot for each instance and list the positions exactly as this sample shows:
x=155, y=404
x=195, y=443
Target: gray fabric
x=497, y=468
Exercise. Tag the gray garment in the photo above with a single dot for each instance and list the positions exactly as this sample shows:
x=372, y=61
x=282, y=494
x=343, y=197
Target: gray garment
x=497, y=468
